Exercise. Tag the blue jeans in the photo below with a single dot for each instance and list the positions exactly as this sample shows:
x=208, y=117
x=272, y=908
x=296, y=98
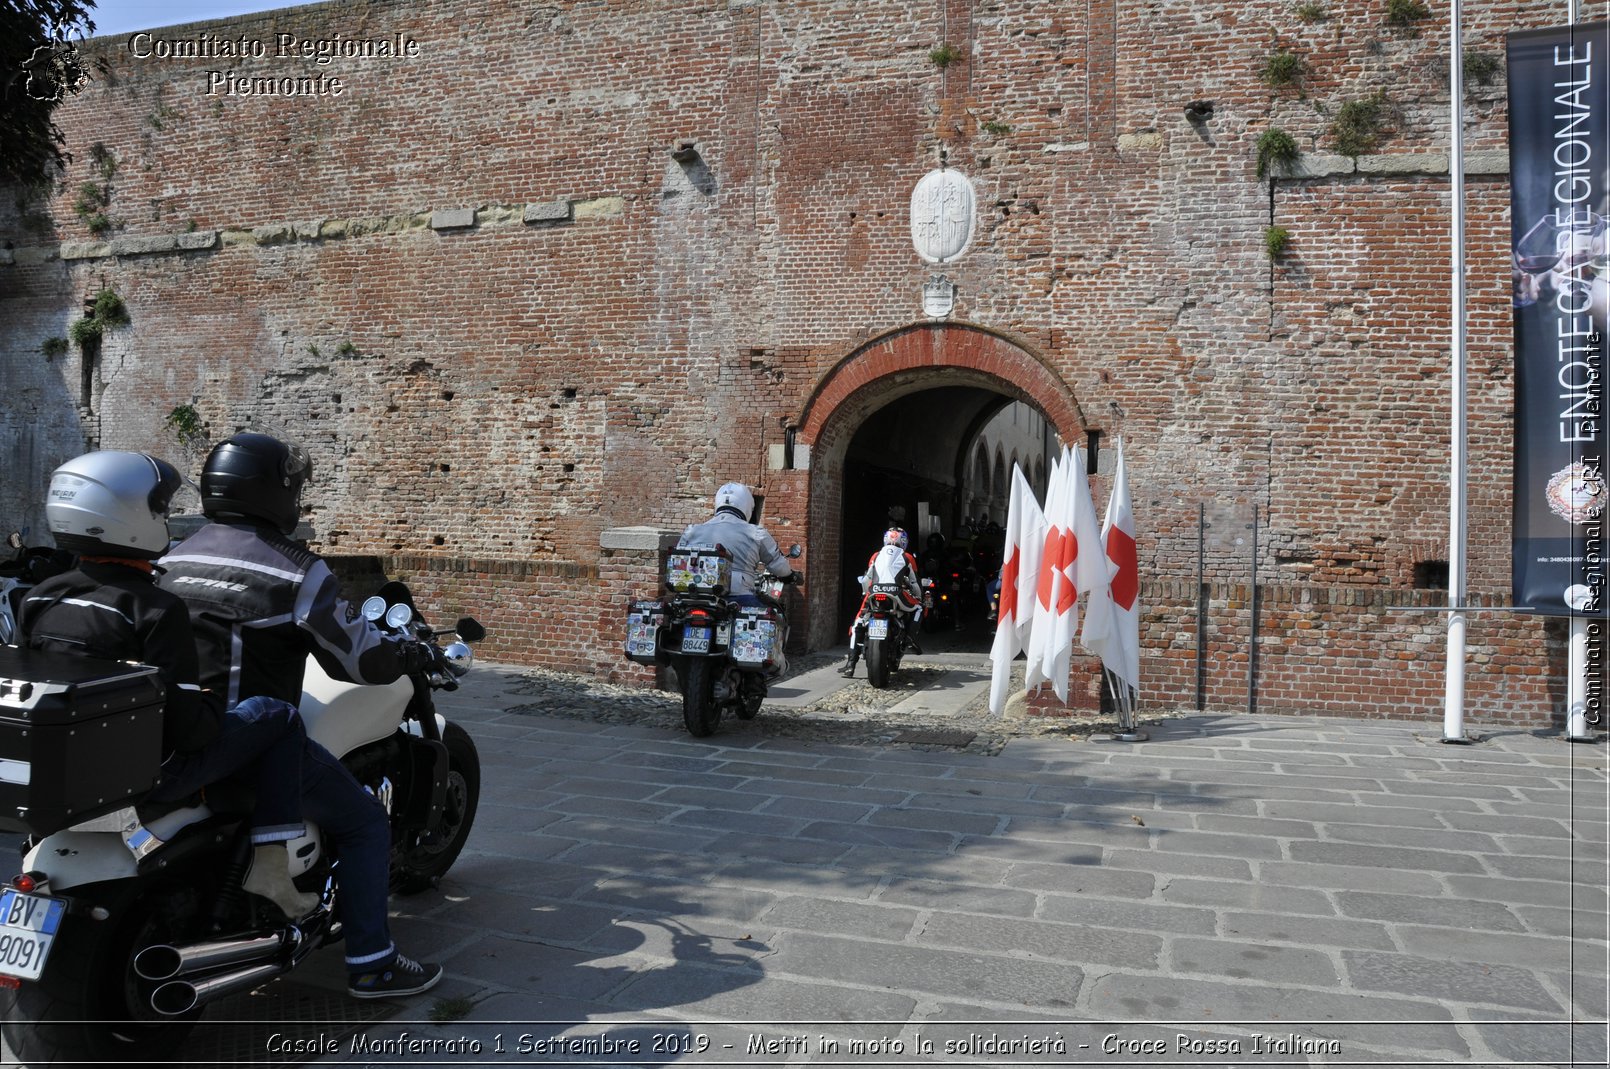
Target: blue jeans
x=260, y=742
x=355, y=824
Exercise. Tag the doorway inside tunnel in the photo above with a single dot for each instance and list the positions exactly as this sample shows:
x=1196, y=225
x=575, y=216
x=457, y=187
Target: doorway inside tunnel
x=920, y=427
x=938, y=464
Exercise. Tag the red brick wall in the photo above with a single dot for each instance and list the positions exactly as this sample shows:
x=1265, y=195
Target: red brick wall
x=490, y=399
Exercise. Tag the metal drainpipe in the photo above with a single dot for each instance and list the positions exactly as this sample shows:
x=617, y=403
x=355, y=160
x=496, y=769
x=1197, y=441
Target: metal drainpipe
x=1201, y=608
x=1252, y=605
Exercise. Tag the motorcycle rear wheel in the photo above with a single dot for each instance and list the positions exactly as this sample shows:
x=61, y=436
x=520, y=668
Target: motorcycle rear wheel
x=877, y=662
x=88, y=1006
x=699, y=710
x=420, y=868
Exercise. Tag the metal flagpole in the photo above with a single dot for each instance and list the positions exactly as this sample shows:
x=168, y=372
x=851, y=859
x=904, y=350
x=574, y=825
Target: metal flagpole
x=1453, y=716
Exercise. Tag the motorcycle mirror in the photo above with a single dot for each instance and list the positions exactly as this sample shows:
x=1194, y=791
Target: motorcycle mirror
x=399, y=616
x=469, y=630
x=373, y=608
x=793, y=550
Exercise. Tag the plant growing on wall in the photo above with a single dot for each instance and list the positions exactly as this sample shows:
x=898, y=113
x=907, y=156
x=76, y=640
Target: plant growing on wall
x=53, y=347
x=1403, y=14
x=1360, y=125
x=995, y=128
x=95, y=197
x=1276, y=148
x=1482, y=68
x=1309, y=11
x=1283, y=68
x=187, y=426
x=107, y=311
x=943, y=56
x=1275, y=239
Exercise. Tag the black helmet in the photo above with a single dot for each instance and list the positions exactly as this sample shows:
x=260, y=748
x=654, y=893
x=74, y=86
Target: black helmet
x=255, y=475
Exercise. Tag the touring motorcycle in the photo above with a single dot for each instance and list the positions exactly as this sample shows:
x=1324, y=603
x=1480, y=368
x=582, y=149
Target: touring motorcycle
x=882, y=629
x=122, y=928
x=723, y=652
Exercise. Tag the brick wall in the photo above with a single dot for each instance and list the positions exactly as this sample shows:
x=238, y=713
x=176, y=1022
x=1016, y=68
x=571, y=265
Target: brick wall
x=569, y=268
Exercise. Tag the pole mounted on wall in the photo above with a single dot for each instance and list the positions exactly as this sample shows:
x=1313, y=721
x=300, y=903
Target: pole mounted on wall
x=1453, y=715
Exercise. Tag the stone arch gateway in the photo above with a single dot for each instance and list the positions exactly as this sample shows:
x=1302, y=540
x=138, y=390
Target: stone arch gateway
x=901, y=362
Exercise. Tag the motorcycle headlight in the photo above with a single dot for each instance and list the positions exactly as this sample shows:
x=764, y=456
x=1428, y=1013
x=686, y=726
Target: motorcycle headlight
x=458, y=657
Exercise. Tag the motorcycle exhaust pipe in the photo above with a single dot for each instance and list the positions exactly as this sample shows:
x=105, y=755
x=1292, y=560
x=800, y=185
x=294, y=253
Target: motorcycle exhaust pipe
x=181, y=996
x=164, y=962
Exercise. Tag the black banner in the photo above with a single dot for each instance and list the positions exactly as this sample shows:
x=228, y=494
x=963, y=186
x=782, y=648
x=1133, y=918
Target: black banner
x=1559, y=151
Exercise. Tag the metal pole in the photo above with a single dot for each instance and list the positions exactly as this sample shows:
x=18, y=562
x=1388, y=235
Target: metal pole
x=1201, y=609
x=1453, y=715
x=1252, y=606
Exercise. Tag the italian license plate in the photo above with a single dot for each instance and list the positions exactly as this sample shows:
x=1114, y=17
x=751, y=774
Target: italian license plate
x=877, y=629
x=695, y=639
x=28, y=926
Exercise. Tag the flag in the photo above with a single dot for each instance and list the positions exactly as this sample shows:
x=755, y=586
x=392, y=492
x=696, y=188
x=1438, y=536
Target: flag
x=1020, y=568
x=1091, y=570
x=1056, y=608
x=1119, y=650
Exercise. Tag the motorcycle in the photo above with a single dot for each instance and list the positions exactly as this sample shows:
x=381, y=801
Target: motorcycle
x=723, y=652
x=122, y=928
x=883, y=629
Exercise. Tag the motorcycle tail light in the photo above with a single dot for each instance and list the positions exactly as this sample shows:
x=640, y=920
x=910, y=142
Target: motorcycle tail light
x=10, y=982
x=24, y=882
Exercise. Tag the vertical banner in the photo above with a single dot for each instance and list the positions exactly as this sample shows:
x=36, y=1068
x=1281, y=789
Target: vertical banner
x=1559, y=132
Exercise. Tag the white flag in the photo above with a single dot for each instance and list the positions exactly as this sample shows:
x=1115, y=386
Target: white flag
x=1056, y=610
x=1091, y=569
x=1043, y=583
x=1120, y=649
x=1020, y=567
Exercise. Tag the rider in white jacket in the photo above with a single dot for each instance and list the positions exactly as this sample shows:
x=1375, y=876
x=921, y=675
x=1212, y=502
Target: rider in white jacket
x=890, y=564
x=749, y=546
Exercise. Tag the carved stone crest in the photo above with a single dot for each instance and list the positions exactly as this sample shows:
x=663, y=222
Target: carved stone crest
x=943, y=210
x=938, y=297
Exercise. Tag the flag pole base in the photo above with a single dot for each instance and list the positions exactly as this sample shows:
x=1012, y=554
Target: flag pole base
x=1582, y=738
x=1459, y=740
x=1130, y=736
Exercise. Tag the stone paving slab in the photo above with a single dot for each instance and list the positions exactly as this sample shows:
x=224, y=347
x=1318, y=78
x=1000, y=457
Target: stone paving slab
x=1240, y=891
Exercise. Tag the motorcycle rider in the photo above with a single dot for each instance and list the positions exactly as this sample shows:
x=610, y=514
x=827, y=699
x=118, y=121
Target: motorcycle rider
x=111, y=508
x=892, y=563
x=261, y=604
x=749, y=546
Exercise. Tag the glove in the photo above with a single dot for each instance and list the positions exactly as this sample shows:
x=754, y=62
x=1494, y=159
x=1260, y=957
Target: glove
x=418, y=657
x=796, y=577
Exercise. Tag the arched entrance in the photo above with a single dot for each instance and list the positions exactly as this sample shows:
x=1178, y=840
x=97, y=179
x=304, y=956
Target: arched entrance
x=929, y=389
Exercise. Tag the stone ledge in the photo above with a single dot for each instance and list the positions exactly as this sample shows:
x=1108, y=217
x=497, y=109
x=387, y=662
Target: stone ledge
x=638, y=539
x=452, y=219
x=556, y=211
x=142, y=245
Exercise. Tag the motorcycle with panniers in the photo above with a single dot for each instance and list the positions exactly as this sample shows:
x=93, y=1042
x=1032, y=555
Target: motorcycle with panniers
x=128, y=919
x=723, y=652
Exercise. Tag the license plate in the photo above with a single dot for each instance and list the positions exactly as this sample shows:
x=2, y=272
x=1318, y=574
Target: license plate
x=695, y=639
x=877, y=629
x=28, y=926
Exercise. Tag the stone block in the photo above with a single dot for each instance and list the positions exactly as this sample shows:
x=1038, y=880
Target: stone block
x=452, y=219
x=33, y=255
x=83, y=250
x=198, y=239
x=553, y=211
x=272, y=234
x=640, y=539
x=139, y=245
x=599, y=208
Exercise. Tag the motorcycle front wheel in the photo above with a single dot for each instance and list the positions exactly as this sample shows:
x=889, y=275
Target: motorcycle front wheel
x=699, y=710
x=89, y=1006
x=421, y=867
x=877, y=662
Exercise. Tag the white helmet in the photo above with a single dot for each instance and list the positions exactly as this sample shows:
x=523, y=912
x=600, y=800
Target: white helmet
x=112, y=504
x=736, y=496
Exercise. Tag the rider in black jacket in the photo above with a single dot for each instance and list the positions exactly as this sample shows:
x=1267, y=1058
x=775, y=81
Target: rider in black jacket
x=112, y=508
x=261, y=604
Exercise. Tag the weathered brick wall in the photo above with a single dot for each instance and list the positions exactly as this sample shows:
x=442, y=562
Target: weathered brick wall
x=690, y=225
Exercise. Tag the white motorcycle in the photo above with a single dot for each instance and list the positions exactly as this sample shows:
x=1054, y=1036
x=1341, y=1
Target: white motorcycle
x=123, y=927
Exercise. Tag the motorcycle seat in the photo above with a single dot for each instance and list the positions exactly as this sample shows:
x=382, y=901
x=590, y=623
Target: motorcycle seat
x=226, y=797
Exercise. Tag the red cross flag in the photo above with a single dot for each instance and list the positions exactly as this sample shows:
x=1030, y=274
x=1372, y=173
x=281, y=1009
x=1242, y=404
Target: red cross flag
x=1020, y=572
x=1056, y=604
x=1120, y=649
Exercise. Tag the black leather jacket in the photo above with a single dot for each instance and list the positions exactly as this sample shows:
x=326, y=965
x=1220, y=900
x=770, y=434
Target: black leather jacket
x=117, y=612
x=261, y=603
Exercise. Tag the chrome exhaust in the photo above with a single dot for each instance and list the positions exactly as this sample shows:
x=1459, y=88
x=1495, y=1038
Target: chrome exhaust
x=163, y=962
x=182, y=996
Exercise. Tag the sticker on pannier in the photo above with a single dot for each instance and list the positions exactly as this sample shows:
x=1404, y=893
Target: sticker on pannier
x=698, y=570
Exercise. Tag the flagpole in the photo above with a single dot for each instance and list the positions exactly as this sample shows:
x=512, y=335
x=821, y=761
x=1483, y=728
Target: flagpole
x=1453, y=715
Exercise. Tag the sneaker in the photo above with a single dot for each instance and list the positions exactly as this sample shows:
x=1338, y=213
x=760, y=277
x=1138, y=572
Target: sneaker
x=404, y=976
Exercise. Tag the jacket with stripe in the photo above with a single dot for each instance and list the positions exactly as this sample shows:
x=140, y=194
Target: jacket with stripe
x=260, y=604
x=118, y=613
